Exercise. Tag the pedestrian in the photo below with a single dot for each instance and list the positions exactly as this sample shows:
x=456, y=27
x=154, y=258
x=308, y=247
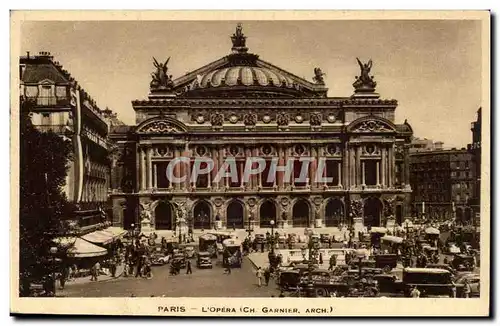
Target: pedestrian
x=228, y=268
x=467, y=289
x=267, y=275
x=95, y=271
x=321, y=258
x=415, y=293
x=262, y=247
x=188, y=267
x=259, y=276
x=333, y=262
x=453, y=290
x=64, y=276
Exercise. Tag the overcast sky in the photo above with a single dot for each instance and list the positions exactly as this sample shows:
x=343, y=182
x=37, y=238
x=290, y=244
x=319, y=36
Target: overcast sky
x=433, y=68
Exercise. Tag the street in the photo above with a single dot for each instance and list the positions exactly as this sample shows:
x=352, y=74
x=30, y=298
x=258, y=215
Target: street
x=202, y=283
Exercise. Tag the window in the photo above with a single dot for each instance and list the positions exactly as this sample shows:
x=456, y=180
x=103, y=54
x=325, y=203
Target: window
x=162, y=181
x=370, y=172
x=332, y=172
x=266, y=179
x=453, y=174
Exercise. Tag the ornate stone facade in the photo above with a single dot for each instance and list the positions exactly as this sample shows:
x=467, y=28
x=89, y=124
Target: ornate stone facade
x=269, y=113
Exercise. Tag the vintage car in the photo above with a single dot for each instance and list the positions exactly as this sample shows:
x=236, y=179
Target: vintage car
x=386, y=261
x=159, y=257
x=368, y=266
x=462, y=262
x=474, y=282
x=189, y=252
x=429, y=281
x=179, y=258
x=442, y=266
x=389, y=284
x=204, y=260
x=452, y=248
x=208, y=243
x=325, y=238
x=231, y=253
x=260, y=238
x=288, y=279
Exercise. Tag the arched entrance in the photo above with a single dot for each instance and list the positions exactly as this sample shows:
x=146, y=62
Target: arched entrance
x=334, y=213
x=300, y=214
x=372, y=210
x=163, y=216
x=234, y=214
x=267, y=213
x=202, y=215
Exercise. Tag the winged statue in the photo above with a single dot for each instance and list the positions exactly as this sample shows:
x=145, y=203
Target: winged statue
x=161, y=78
x=318, y=76
x=365, y=81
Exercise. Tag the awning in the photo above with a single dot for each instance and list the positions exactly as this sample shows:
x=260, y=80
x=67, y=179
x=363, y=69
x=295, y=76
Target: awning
x=99, y=237
x=377, y=229
x=65, y=241
x=432, y=230
x=85, y=249
x=116, y=231
x=393, y=239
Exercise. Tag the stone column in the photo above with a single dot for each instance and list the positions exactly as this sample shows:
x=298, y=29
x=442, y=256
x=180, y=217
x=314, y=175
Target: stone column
x=177, y=169
x=358, y=166
x=339, y=173
x=248, y=154
x=363, y=173
x=187, y=153
x=142, y=168
x=281, y=161
x=285, y=152
x=378, y=172
x=345, y=167
x=313, y=166
x=384, y=166
x=390, y=167
x=215, y=158
x=406, y=165
x=149, y=168
x=155, y=176
x=352, y=167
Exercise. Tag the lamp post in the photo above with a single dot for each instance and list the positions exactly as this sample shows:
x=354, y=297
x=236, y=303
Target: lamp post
x=272, y=236
x=250, y=220
x=53, y=252
x=313, y=251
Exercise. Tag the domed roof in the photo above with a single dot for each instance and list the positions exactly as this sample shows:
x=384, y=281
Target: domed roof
x=242, y=75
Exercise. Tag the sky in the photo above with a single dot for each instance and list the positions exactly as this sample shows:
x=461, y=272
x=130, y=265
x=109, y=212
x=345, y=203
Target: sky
x=432, y=67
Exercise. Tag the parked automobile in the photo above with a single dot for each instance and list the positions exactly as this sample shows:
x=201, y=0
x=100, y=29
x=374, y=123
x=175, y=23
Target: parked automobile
x=260, y=238
x=180, y=258
x=474, y=282
x=159, y=257
x=462, y=262
x=325, y=238
x=389, y=283
x=442, y=266
x=204, y=260
x=189, y=252
x=429, y=281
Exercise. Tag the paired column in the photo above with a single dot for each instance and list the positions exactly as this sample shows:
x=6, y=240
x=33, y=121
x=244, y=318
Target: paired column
x=358, y=167
x=391, y=167
x=406, y=165
x=384, y=166
x=215, y=158
x=281, y=161
x=339, y=170
x=313, y=166
x=345, y=165
x=177, y=169
x=142, y=168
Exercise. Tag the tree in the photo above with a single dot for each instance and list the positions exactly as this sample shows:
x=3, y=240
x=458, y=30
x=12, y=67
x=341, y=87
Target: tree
x=44, y=161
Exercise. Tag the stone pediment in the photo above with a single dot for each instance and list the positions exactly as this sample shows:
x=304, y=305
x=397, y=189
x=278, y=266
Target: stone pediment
x=371, y=124
x=161, y=126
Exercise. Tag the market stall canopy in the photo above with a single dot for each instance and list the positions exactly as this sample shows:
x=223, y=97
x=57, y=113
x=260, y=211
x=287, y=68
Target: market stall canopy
x=432, y=230
x=377, y=229
x=393, y=239
x=85, y=249
x=99, y=237
x=65, y=241
x=116, y=231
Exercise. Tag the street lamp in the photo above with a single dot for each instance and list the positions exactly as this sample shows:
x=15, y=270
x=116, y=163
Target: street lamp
x=272, y=236
x=313, y=252
x=53, y=252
